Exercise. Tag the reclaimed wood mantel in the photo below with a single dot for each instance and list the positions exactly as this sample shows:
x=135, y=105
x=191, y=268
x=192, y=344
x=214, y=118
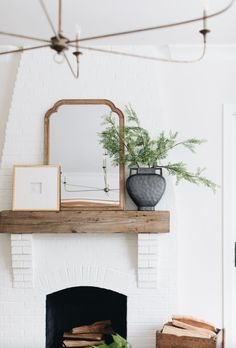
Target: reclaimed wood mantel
x=85, y=222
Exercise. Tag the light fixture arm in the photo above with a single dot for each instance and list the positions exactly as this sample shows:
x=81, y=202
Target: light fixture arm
x=76, y=53
x=23, y=36
x=59, y=17
x=163, y=26
x=204, y=33
x=24, y=49
x=149, y=57
x=60, y=43
x=48, y=18
x=75, y=73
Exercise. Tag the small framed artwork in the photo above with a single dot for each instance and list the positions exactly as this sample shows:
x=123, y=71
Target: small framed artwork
x=36, y=187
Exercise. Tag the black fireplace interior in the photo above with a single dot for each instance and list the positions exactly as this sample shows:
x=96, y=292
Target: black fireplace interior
x=83, y=305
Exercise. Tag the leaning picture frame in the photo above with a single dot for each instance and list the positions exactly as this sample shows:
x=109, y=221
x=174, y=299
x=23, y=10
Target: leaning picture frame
x=36, y=188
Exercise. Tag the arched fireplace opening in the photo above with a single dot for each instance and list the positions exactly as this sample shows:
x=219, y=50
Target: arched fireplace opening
x=83, y=305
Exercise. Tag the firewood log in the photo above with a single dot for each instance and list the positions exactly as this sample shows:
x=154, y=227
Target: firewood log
x=72, y=343
x=102, y=327
x=85, y=336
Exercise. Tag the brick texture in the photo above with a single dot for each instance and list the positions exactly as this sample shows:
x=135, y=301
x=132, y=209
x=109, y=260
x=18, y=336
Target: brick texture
x=62, y=261
x=22, y=265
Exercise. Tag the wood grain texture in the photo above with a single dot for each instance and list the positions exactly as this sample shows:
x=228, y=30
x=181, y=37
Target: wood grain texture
x=173, y=341
x=85, y=222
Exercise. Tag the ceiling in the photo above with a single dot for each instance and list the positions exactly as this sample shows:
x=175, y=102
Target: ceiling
x=97, y=17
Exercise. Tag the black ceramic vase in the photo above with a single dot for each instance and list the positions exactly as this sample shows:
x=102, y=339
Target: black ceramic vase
x=145, y=187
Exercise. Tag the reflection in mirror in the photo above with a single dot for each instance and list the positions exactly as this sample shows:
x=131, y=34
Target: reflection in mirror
x=88, y=178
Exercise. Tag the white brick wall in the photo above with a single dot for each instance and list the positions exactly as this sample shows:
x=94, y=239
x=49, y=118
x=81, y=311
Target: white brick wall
x=147, y=260
x=107, y=261
x=22, y=260
x=61, y=261
x=23, y=271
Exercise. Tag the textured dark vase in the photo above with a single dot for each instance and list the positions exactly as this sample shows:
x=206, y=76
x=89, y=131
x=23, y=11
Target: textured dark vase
x=145, y=187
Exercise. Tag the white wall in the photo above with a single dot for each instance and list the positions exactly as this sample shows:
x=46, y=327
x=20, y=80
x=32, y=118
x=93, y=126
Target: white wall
x=187, y=98
x=193, y=96
x=40, y=82
x=8, y=68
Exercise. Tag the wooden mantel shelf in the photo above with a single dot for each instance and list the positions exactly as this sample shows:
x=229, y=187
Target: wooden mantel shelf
x=85, y=222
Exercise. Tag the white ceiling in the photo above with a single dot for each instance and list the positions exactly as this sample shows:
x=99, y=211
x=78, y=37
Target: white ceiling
x=104, y=16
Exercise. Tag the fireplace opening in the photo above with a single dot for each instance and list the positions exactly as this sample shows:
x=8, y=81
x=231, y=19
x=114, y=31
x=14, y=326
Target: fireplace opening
x=73, y=307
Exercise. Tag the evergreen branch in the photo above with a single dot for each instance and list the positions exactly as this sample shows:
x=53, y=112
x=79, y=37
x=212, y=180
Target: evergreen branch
x=133, y=116
x=188, y=143
x=181, y=172
x=111, y=121
x=140, y=149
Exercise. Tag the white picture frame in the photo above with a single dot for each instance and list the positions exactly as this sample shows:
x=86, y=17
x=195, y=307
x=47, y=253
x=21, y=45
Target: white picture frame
x=36, y=188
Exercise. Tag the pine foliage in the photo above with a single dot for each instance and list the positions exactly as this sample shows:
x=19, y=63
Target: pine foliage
x=140, y=150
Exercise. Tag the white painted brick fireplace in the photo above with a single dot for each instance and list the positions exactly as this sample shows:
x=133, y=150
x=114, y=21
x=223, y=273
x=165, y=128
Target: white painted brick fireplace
x=142, y=267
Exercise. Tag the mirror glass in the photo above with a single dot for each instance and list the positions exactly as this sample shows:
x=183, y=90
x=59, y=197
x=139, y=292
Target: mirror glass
x=88, y=178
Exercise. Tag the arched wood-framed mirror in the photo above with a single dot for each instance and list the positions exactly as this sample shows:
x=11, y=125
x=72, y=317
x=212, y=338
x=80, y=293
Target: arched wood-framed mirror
x=88, y=179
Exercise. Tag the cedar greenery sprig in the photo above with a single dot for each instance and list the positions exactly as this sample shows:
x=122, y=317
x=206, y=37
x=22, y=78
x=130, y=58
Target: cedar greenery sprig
x=141, y=150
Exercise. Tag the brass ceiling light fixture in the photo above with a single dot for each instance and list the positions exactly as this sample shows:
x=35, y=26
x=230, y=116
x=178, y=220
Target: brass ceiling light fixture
x=60, y=44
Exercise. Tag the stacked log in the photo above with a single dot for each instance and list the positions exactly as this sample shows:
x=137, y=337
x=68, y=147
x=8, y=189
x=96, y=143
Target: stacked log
x=87, y=335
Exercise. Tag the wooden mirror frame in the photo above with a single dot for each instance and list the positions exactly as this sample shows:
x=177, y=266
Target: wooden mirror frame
x=88, y=205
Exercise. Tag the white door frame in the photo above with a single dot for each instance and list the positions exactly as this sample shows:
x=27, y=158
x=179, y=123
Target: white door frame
x=229, y=119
